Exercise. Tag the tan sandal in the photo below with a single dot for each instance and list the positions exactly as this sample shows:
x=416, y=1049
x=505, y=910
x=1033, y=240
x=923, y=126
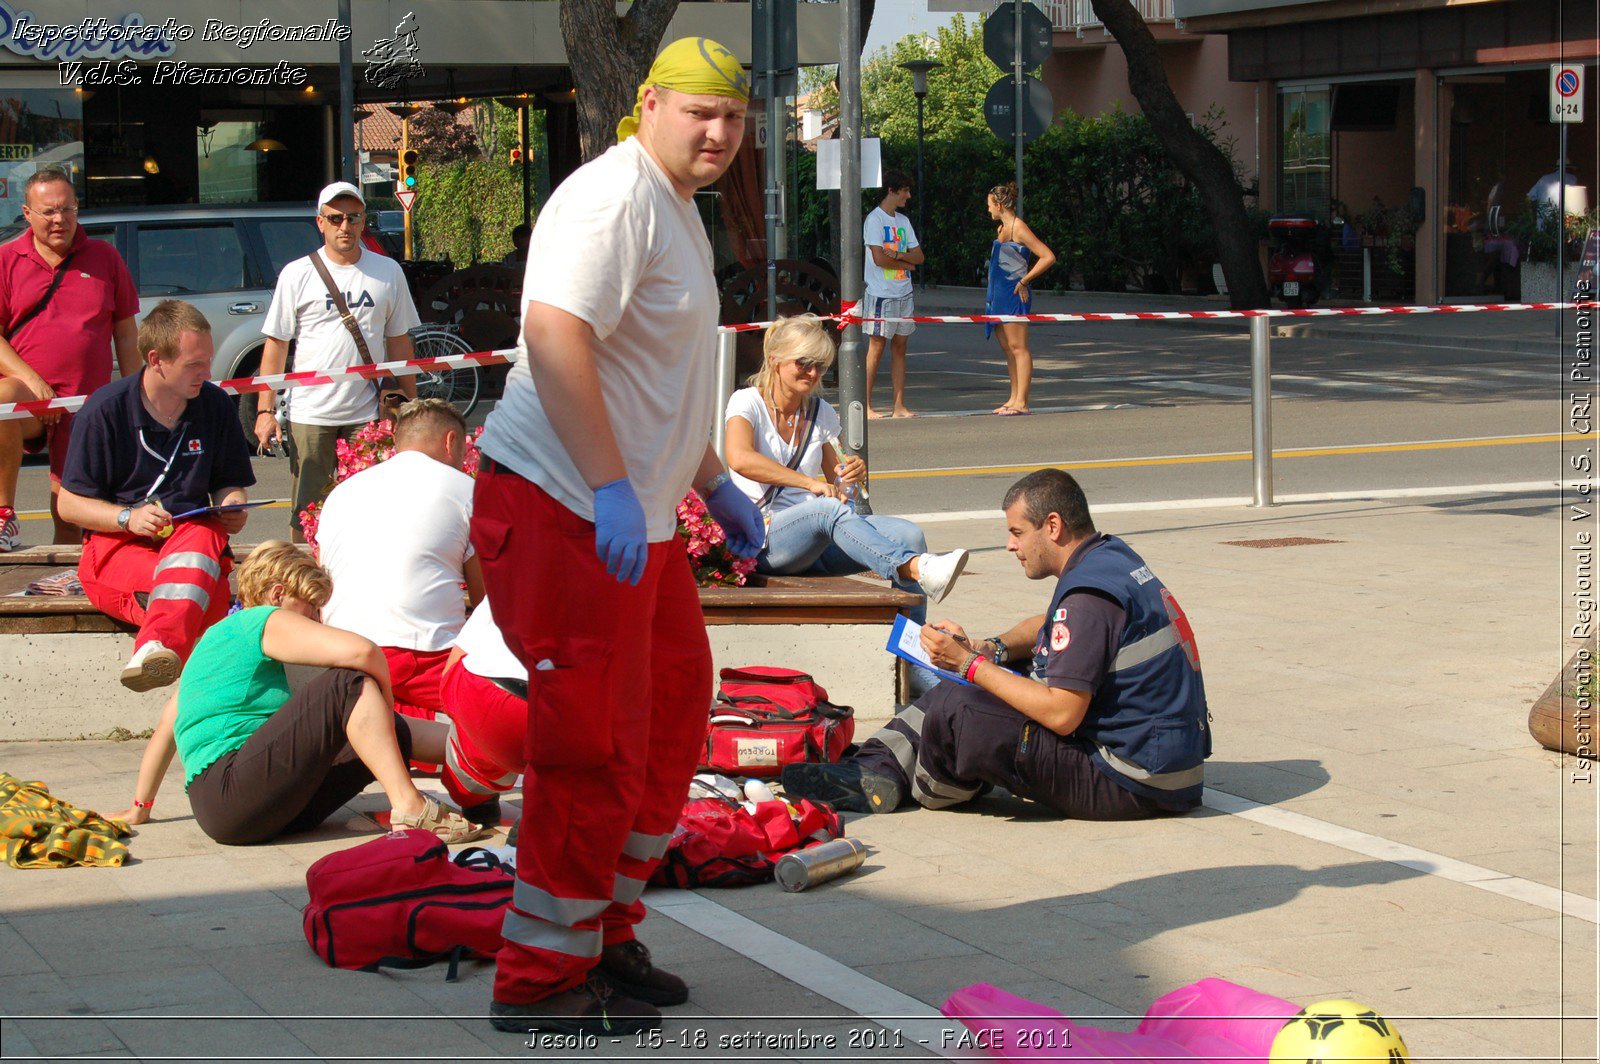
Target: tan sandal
x=449, y=825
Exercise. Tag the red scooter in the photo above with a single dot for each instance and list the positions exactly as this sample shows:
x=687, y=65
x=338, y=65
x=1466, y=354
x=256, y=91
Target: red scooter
x=1297, y=269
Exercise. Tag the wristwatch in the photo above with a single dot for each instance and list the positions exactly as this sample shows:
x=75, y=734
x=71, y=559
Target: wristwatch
x=713, y=484
x=123, y=517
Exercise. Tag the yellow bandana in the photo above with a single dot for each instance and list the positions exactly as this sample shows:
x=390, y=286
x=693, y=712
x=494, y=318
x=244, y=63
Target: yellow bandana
x=698, y=66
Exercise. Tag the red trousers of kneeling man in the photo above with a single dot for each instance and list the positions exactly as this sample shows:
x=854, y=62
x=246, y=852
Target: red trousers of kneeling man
x=488, y=725
x=619, y=685
x=185, y=577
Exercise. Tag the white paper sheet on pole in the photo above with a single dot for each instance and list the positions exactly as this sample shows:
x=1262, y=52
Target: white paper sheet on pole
x=828, y=163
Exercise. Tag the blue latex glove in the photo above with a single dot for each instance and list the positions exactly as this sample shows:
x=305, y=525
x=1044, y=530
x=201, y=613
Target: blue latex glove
x=740, y=519
x=619, y=533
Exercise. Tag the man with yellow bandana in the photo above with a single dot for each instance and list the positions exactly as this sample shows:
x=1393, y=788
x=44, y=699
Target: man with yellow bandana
x=605, y=425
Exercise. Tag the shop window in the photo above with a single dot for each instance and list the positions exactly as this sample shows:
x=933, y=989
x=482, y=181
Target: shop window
x=178, y=259
x=288, y=239
x=1306, y=170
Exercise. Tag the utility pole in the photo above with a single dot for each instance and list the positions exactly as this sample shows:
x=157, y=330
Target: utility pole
x=347, y=100
x=852, y=357
x=405, y=146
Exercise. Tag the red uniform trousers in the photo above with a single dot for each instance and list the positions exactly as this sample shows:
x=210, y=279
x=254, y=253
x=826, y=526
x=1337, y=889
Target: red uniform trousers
x=415, y=676
x=185, y=577
x=483, y=756
x=620, y=685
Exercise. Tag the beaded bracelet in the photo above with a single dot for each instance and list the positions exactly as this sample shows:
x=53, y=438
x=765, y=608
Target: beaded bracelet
x=969, y=672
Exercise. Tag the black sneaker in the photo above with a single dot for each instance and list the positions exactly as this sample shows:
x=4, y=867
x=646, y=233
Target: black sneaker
x=627, y=967
x=846, y=786
x=484, y=814
x=592, y=1008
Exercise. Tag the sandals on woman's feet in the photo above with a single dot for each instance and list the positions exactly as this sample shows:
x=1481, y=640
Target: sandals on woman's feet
x=449, y=825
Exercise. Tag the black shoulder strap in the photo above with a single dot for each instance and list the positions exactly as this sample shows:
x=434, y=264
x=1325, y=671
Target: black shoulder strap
x=49, y=293
x=799, y=453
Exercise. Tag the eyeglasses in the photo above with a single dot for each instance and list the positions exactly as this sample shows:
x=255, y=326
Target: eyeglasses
x=335, y=219
x=53, y=213
x=810, y=365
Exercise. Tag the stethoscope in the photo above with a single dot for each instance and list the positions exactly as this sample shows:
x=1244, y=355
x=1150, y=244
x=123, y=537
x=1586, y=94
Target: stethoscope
x=166, y=468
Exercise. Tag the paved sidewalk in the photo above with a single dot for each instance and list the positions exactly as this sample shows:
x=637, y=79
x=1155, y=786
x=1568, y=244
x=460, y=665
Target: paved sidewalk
x=1379, y=826
x=1520, y=332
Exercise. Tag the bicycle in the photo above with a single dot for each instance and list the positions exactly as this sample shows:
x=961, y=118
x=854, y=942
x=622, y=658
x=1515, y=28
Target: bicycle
x=459, y=386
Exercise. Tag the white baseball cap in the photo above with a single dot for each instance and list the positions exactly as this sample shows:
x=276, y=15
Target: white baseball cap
x=337, y=189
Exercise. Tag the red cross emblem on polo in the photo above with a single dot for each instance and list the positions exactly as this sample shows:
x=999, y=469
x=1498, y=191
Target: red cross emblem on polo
x=1191, y=650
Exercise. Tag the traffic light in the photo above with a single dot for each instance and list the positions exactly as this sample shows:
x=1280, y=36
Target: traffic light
x=516, y=156
x=408, y=168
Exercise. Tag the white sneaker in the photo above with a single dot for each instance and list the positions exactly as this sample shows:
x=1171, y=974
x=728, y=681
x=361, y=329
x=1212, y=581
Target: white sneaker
x=10, y=531
x=937, y=573
x=151, y=666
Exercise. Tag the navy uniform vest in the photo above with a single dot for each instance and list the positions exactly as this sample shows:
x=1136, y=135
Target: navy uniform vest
x=1146, y=724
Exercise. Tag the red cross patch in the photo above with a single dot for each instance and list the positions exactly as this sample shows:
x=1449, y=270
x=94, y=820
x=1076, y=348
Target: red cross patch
x=195, y=447
x=1059, y=637
x=1185, y=633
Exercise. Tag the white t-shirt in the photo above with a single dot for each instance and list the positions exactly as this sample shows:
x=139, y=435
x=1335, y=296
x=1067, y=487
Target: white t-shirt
x=394, y=539
x=485, y=650
x=618, y=247
x=748, y=404
x=882, y=228
x=375, y=290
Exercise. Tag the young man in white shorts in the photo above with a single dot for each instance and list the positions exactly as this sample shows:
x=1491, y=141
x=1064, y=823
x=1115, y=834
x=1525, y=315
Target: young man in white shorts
x=892, y=250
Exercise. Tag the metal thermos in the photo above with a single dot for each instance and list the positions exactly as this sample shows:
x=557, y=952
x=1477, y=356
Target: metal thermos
x=818, y=864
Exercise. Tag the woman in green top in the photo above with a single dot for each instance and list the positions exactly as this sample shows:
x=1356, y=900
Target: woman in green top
x=261, y=762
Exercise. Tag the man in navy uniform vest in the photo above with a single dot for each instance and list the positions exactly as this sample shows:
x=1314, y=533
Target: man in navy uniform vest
x=1109, y=720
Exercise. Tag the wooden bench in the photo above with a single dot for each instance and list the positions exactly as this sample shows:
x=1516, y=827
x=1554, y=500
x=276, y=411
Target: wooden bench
x=60, y=656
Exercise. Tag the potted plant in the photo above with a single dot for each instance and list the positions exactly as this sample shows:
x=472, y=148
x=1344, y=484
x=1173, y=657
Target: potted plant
x=1535, y=231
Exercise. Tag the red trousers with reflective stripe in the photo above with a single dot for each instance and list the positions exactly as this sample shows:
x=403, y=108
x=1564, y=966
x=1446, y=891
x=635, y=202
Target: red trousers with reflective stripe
x=619, y=689
x=185, y=577
x=488, y=725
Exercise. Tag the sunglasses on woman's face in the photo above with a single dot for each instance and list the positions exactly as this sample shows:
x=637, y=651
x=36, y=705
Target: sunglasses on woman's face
x=810, y=365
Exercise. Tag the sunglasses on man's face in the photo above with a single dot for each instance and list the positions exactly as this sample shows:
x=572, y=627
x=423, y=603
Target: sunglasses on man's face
x=337, y=220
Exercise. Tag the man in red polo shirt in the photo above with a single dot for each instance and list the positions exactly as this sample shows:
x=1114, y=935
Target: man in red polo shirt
x=65, y=301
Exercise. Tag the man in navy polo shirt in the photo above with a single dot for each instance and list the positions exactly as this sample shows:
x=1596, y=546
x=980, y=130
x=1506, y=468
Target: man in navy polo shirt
x=65, y=301
x=147, y=450
x=1110, y=721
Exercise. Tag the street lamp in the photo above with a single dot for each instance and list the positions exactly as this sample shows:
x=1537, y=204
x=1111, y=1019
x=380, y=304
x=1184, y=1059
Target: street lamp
x=919, y=86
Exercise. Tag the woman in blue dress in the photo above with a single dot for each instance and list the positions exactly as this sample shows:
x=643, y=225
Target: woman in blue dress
x=1010, y=279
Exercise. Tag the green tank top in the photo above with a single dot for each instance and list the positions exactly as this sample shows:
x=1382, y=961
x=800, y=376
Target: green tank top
x=228, y=690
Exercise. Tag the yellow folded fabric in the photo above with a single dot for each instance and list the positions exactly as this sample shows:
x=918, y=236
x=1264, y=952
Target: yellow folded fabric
x=698, y=66
x=40, y=830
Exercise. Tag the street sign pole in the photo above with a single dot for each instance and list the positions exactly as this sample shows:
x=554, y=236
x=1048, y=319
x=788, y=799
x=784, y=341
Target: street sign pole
x=852, y=249
x=1016, y=71
x=405, y=146
x=1566, y=107
x=1561, y=220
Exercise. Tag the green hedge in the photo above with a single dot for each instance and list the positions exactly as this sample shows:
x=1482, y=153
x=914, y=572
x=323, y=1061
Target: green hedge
x=466, y=209
x=1101, y=191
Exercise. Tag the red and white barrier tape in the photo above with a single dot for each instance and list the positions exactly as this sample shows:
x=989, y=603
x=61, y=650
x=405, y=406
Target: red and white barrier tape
x=847, y=316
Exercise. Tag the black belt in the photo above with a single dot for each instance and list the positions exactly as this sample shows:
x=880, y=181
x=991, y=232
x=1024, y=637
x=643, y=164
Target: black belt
x=517, y=688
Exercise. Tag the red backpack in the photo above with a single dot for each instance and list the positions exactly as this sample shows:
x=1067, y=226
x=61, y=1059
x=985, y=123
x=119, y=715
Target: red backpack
x=767, y=717
x=399, y=901
x=718, y=843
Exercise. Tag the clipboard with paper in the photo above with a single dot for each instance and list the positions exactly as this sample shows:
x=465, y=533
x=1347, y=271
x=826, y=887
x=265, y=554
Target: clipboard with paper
x=905, y=641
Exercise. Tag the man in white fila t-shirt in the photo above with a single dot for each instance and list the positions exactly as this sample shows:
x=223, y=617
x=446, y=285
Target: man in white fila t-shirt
x=892, y=250
x=605, y=425
x=395, y=540
x=303, y=310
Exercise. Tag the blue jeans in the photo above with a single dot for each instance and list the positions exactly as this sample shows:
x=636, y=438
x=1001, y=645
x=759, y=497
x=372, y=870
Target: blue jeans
x=824, y=537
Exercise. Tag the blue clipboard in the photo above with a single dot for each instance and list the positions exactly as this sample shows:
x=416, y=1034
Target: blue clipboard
x=900, y=634
x=206, y=511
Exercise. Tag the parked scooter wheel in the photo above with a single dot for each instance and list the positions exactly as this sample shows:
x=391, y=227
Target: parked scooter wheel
x=1309, y=294
x=1294, y=302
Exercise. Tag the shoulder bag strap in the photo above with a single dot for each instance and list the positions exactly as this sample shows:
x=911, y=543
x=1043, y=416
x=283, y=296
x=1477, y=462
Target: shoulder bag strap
x=49, y=293
x=342, y=307
x=794, y=459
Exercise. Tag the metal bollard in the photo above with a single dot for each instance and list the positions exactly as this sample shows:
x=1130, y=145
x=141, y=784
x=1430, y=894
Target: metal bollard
x=727, y=350
x=1261, y=408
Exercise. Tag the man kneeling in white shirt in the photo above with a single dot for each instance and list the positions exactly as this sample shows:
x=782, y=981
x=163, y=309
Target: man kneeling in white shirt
x=394, y=539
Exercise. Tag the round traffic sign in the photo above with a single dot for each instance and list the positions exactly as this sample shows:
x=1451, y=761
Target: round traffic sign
x=1567, y=83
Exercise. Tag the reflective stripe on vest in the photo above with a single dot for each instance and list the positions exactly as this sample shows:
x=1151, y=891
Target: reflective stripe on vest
x=1166, y=781
x=1142, y=650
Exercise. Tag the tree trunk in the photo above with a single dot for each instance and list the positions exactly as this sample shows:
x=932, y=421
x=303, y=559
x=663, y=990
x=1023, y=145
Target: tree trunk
x=1201, y=161
x=609, y=55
